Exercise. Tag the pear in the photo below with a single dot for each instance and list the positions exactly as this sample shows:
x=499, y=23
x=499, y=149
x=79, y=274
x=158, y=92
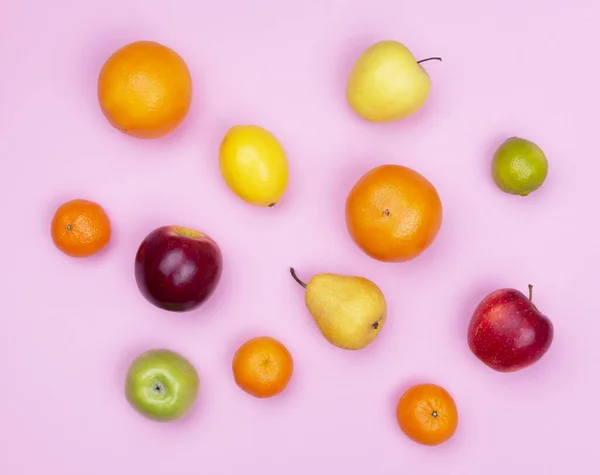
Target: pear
x=387, y=83
x=350, y=311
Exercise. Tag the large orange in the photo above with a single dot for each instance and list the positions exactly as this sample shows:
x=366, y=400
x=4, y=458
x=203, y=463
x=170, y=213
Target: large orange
x=145, y=89
x=80, y=228
x=262, y=367
x=393, y=213
x=427, y=414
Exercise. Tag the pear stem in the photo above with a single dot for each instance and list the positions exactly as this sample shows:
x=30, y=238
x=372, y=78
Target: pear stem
x=293, y=272
x=530, y=293
x=437, y=58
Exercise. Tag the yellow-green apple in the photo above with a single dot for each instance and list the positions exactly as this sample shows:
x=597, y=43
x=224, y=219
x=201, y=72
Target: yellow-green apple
x=387, y=83
x=161, y=385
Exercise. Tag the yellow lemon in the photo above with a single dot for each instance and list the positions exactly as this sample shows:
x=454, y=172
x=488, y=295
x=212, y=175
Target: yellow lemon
x=254, y=165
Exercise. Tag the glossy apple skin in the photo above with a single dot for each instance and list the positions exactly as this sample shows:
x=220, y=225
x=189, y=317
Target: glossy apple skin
x=178, y=268
x=507, y=332
x=161, y=385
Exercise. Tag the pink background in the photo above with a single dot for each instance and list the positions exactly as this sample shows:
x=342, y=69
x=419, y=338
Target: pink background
x=69, y=327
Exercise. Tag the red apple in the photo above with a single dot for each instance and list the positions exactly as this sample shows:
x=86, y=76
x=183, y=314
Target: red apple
x=177, y=268
x=507, y=331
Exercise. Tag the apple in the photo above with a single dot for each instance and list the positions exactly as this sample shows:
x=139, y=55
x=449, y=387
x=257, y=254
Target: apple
x=178, y=268
x=161, y=385
x=507, y=331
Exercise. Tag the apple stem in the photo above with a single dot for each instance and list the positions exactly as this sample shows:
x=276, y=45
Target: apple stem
x=293, y=272
x=530, y=293
x=437, y=58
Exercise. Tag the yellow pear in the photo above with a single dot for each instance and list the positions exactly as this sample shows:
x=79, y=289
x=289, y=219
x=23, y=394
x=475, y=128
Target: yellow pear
x=387, y=83
x=350, y=311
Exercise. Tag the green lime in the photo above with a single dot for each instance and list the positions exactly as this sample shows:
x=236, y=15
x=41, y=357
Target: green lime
x=519, y=166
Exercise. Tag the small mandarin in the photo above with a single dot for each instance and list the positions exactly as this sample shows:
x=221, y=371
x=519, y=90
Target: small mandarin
x=427, y=414
x=393, y=213
x=80, y=228
x=262, y=367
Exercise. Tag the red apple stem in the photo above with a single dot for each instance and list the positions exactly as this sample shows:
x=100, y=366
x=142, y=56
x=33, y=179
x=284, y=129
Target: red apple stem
x=293, y=272
x=436, y=58
x=530, y=293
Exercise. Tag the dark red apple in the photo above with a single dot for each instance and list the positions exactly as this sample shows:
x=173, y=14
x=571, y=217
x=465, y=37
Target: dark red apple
x=177, y=268
x=507, y=331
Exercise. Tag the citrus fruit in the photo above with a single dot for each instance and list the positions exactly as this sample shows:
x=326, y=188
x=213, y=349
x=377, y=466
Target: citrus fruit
x=254, y=165
x=393, y=213
x=80, y=228
x=519, y=166
x=262, y=367
x=427, y=414
x=145, y=89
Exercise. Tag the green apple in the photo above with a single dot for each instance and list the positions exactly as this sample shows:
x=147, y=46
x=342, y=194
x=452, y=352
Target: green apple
x=387, y=83
x=161, y=385
x=519, y=166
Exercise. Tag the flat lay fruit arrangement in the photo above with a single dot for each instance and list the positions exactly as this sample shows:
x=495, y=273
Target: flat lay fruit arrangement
x=366, y=270
x=393, y=213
